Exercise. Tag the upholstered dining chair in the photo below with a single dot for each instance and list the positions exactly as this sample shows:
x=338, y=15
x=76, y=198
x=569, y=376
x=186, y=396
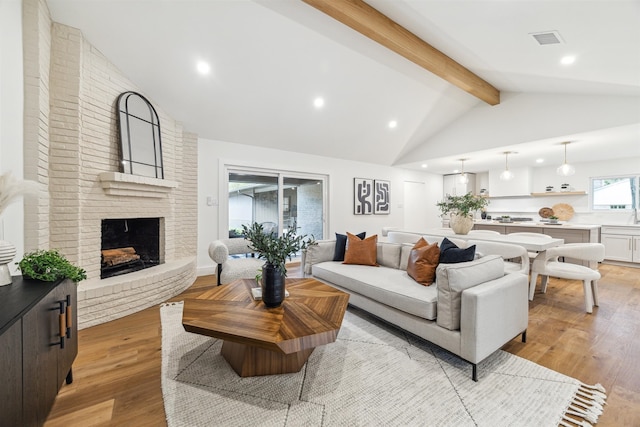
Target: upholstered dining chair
x=516, y=258
x=547, y=265
x=402, y=237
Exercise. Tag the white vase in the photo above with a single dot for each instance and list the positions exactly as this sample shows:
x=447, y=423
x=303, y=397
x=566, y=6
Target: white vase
x=461, y=224
x=7, y=253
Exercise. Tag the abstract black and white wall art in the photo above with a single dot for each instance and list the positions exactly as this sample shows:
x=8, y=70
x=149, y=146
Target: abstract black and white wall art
x=362, y=196
x=381, y=203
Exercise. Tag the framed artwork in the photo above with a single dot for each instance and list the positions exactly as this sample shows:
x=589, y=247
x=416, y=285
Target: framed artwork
x=381, y=202
x=362, y=196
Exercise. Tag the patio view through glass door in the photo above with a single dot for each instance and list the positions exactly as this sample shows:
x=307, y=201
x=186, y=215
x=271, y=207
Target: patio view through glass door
x=277, y=201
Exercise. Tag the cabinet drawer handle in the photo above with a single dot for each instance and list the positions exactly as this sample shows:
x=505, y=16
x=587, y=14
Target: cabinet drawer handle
x=62, y=323
x=69, y=316
x=63, y=326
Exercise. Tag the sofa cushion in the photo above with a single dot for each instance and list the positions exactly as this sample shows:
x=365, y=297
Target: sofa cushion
x=451, y=253
x=385, y=285
x=341, y=245
x=453, y=279
x=405, y=251
x=363, y=252
x=388, y=254
x=423, y=261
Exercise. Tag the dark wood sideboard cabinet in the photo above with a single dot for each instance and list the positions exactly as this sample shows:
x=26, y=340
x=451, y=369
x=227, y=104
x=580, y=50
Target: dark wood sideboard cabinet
x=38, y=344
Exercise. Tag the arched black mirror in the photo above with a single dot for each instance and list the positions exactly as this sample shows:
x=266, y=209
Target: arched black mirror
x=140, y=143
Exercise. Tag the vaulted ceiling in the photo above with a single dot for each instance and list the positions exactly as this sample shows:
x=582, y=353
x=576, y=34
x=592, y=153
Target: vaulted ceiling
x=271, y=59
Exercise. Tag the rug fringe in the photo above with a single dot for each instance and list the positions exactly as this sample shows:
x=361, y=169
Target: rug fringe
x=574, y=422
x=587, y=403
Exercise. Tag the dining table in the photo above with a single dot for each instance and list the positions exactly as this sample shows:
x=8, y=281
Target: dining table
x=530, y=243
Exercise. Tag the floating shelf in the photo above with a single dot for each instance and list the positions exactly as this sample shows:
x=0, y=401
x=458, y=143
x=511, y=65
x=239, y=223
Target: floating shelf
x=560, y=193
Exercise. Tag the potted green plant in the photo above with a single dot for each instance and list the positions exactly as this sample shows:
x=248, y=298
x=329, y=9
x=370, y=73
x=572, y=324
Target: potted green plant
x=275, y=250
x=553, y=219
x=460, y=210
x=48, y=266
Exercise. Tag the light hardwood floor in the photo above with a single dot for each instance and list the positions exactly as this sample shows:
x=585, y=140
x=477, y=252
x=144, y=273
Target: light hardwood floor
x=117, y=371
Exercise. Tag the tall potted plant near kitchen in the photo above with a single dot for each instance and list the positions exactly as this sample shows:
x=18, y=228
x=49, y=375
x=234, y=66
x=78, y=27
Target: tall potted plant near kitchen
x=460, y=210
x=275, y=250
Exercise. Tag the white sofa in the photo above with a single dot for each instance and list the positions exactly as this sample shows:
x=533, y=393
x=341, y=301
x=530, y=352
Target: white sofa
x=472, y=310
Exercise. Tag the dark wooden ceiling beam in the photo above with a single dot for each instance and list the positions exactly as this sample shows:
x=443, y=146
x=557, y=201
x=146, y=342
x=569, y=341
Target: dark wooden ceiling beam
x=368, y=21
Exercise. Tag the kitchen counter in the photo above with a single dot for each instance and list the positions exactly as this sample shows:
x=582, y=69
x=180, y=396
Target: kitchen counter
x=622, y=225
x=530, y=224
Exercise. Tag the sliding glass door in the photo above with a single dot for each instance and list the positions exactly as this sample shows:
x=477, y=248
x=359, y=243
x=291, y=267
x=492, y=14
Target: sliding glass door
x=277, y=200
x=252, y=198
x=303, y=205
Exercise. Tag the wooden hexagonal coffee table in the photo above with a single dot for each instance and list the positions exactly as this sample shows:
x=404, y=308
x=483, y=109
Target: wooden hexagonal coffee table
x=265, y=341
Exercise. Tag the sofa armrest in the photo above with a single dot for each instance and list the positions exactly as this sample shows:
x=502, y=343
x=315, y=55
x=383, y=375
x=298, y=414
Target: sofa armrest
x=218, y=252
x=321, y=251
x=493, y=313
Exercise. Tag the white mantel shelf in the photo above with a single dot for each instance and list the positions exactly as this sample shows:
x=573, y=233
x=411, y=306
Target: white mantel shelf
x=122, y=184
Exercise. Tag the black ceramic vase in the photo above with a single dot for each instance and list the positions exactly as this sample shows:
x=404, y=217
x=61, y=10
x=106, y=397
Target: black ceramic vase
x=272, y=286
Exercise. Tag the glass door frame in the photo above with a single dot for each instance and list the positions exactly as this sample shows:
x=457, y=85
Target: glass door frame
x=223, y=215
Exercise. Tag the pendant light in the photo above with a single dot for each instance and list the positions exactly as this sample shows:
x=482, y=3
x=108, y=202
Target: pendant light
x=506, y=174
x=566, y=169
x=463, y=178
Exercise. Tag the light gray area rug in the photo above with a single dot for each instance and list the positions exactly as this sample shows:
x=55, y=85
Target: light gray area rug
x=374, y=374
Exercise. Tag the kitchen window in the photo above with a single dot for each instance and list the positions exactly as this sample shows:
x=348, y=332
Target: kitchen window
x=614, y=193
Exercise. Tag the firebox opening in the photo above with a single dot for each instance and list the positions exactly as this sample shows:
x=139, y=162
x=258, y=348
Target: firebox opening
x=129, y=245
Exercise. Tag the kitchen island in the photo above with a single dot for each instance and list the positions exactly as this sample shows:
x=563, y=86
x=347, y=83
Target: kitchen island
x=579, y=233
x=570, y=232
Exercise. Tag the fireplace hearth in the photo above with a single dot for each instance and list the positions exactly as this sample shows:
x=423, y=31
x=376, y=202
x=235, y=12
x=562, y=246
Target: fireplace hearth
x=129, y=245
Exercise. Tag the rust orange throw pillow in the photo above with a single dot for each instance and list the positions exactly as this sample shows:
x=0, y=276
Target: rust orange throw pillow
x=360, y=251
x=423, y=261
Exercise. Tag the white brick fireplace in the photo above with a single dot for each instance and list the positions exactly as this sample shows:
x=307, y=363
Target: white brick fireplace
x=71, y=147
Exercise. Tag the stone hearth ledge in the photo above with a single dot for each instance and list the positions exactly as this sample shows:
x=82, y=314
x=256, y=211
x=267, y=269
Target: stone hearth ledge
x=122, y=184
x=103, y=300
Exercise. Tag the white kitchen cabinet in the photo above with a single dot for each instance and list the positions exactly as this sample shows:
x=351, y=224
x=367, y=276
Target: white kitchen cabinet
x=520, y=185
x=454, y=187
x=621, y=243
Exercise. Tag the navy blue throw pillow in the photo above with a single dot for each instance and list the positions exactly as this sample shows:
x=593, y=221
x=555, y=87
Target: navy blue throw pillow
x=341, y=245
x=450, y=253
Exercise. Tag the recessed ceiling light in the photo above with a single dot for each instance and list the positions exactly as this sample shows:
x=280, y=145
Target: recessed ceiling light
x=393, y=124
x=539, y=160
x=203, y=68
x=318, y=102
x=568, y=60
x=424, y=166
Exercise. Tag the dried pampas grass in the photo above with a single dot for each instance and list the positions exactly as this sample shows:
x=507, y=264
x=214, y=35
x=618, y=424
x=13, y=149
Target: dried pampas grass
x=11, y=188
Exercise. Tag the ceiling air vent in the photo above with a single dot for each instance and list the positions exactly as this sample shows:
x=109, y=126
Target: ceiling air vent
x=547, y=37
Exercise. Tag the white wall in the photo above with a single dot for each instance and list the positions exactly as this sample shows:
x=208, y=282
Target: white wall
x=212, y=155
x=544, y=176
x=526, y=117
x=11, y=110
